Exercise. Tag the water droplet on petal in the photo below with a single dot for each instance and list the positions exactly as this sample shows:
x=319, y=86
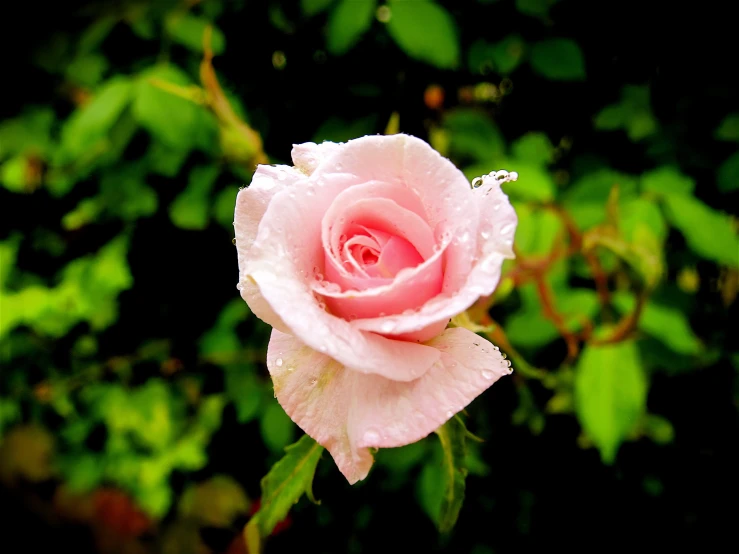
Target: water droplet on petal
x=506, y=229
x=238, y=286
x=504, y=355
x=290, y=368
x=488, y=375
x=387, y=327
x=313, y=382
x=485, y=235
x=233, y=240
x=449, y=414
x=278, y=362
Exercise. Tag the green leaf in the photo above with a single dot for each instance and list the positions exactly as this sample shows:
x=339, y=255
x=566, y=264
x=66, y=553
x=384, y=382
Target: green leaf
x=223, y=206
x=215, y=502
x=502, y=57
x=126, y=194
x=14, y=174
x=190, y=209
x=535, y=8
x=534, y=148
x=708, y=232
x=313, y=7
x=87, y=128
x=508, y=54
x=729, y=128
x=348, y=21
x=8, y=253
x=637, y=213
x=665, y=323
x=667, y=180
x=633, y=113
x=165, y=160
x=277, y=428
x=472, y=134
x=283, y=486
x=585, y=198
x=28, y=134
x=188, y=30
x=87, y=70
x=530, y=329
x=425, y=31
x=534, y=182
x=659, y=429
x=95, y=34
x=558, y=59
x=176, y=122
x=538, y=230
x=244, y=390
x=728, y=174
x=452, y=436
x=610, y=394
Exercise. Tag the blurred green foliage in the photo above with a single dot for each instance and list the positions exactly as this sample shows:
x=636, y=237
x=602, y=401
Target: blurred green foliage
x=600, y=301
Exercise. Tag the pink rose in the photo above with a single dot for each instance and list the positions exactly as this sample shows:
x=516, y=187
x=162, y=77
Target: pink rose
x=358, y=257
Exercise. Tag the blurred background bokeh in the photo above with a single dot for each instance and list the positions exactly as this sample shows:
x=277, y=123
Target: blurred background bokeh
x=136, y=412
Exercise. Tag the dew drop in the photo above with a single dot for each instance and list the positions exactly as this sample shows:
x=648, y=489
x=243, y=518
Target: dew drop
x=238, y=286
x=495, y=348
x=506, y=229
x=465, y=237
x=290, y=368
x=476, y=343
x=449, y=414
x=233, y=240
x=313, y=382
x=476, y=182
x=488, y=375
x=504, y=355
x=387, y=327
x=322, y=349
x=278, y=362
x=485, y=235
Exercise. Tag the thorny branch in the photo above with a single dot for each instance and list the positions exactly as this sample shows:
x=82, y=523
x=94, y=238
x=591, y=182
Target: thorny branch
x=535, y=269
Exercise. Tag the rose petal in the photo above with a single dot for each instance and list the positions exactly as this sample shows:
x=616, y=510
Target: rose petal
x=348, y=412
x=409, y=289
x=447, y=201
x=494, y=237
x=251, y=204
x=309, y=155
x=396, y=255
x=281, y=262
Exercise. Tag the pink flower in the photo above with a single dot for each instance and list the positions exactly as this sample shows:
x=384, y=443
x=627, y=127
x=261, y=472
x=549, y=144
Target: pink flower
x=358, y=257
